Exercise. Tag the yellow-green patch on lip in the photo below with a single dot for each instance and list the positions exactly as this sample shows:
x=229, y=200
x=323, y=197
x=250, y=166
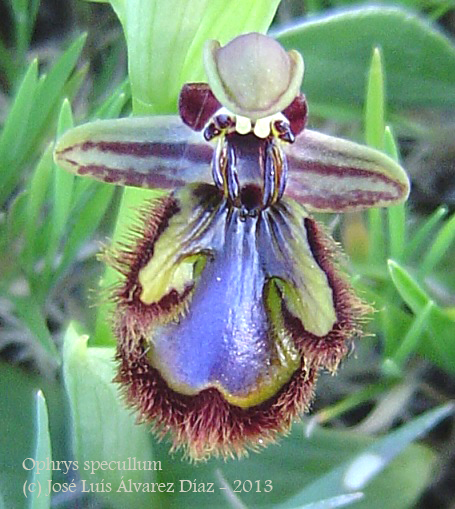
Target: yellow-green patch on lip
x=265, y=388
x=253, y=76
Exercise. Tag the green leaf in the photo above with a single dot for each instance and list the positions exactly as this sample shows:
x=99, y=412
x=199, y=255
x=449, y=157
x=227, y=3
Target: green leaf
x=113, y=105
x=103, y=80
x=43, y=454
x=16, y=214
x=15, y=125
x=32, y=115
x=391, y=320
x=24, y=18
x=103, y=428
x=420, y=60
x=414, y=296
x=75, y=81
x=396, y=218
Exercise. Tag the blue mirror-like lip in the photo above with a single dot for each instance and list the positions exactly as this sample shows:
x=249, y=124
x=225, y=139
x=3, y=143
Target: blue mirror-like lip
x=228, y=353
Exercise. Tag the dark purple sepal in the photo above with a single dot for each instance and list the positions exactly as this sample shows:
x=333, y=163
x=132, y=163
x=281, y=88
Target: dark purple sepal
x=197, y=105
x=297, y=114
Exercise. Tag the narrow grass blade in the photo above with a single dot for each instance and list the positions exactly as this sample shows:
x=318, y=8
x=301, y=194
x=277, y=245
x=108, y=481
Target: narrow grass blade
x=423, y=232
x=17, y=118
x=374, y=107
x=21, y=28
x=439, y=246
x=390, y=146
x=374, y=134
x=396, y=218
x=63, y=181
x=349, y=402
x=114, y=104
x=36, y=196
x=439, y=325
x=15, y=218
x=62, y=200
x=14, y=131
x=43, y=455
x=31, y=115
x=411, y=340
x=50, y=88
x=107, y=70
x=414, y=296
x=75, y=81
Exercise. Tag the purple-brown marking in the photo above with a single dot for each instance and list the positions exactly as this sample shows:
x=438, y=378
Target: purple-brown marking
x=175, y=151
x=303, y=187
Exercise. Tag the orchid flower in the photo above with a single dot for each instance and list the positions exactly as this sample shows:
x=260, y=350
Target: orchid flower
x=232, y=299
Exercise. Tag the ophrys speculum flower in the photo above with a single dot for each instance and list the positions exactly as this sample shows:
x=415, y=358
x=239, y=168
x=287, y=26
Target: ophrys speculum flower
x=232, y=300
